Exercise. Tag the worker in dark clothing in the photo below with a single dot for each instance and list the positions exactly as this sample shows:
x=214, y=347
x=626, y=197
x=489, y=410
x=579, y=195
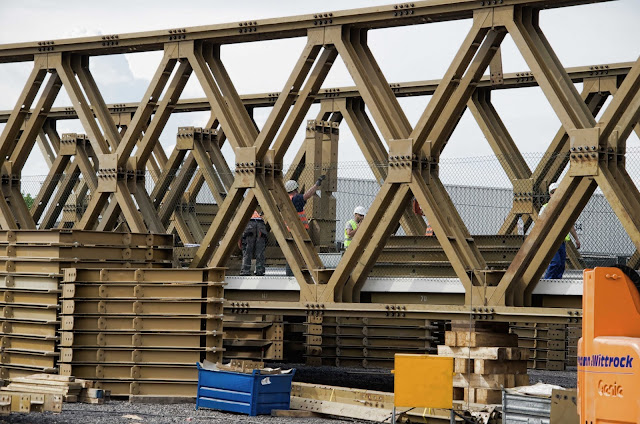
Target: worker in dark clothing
x=299, y=201
x=254, y=240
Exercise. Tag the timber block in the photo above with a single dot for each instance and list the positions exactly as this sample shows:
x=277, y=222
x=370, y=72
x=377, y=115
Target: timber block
x=484, y=396
x=474, y=339
x=488, y=366
x=494, y=353
x=490, y=381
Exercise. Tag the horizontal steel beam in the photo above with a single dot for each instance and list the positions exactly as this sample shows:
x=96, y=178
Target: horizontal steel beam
x=402, y=89
x=393, y=15
x=373, y=310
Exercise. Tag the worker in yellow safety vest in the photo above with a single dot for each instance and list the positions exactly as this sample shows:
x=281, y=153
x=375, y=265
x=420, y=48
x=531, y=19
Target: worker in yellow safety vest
x=299, y=201
x=557, y=265
x=352, y=225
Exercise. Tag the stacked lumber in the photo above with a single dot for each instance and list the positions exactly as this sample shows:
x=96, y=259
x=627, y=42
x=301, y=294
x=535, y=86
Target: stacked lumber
x=69, y=388
x=139, y=332
x=547, y=344
x=90, y=394
x=370, y=405
x=65, y=386
x=367, y=342
x=31, y=267
x=252, y=337
x=486, y=359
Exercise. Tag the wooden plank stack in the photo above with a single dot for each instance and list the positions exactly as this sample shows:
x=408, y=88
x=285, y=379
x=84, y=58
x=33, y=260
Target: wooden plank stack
x=486, y=358
x=139, y=332
x=65, y=386
x=367, y=342
x=46, y=392
x=31, y=267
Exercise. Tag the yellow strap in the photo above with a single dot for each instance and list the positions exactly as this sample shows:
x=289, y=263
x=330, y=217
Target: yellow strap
x=332, y=393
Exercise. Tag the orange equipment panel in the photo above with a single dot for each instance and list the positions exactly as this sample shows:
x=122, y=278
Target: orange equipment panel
x=609, y=350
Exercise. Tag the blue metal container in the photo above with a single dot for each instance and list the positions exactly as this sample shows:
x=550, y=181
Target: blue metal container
x=252, y=394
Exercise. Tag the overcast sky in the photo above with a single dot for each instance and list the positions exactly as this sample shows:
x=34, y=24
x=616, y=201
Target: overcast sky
x=583, y=35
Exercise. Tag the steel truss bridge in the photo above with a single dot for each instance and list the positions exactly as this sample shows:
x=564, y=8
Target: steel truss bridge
x=107, y=166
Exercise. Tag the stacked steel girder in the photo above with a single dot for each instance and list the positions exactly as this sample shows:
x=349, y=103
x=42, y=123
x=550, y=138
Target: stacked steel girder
x=114, y=175
x=139, y=332
x=32, y=266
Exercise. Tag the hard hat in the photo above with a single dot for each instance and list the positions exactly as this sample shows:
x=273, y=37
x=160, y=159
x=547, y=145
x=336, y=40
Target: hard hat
x=553, y=187
x=360, y=210
x=290, y=186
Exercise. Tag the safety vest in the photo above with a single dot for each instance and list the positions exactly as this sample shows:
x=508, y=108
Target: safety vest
x=302, y=215
x=256, y=215
x=429, y=231
x=568, y=237
x=347, y=239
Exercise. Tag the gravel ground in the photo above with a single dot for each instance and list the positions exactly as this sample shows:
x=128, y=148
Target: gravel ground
x=114, y=412
x=567, y=379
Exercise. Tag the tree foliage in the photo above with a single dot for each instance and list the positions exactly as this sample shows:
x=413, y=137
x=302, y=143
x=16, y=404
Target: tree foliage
x=28, y=199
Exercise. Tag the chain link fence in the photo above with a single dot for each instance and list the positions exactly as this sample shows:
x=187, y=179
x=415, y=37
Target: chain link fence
x=481, y=191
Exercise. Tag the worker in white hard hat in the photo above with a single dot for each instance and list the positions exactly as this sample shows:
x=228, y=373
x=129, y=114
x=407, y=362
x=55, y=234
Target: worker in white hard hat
x=299, y=201
x=555, y=270
x=352, y=225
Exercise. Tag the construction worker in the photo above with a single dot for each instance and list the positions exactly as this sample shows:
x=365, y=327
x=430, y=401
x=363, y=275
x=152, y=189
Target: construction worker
x=254, y=240
x=299, y=201
x=556, y=267
x=418, y=211
x=429, y=231
x=352, y=225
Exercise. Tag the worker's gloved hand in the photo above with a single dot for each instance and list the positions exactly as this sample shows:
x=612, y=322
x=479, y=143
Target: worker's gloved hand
x=320, y=180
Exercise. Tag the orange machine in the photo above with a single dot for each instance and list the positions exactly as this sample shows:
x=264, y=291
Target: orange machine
x=609, y=350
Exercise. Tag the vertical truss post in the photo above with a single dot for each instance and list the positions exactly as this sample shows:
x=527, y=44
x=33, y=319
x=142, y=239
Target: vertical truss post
x=321, y=145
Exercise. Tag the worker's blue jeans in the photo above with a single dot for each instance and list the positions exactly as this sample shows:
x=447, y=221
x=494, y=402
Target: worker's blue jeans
x=556, y=267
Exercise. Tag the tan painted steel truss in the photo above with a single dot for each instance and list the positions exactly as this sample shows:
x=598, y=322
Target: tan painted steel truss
x=410, y=154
